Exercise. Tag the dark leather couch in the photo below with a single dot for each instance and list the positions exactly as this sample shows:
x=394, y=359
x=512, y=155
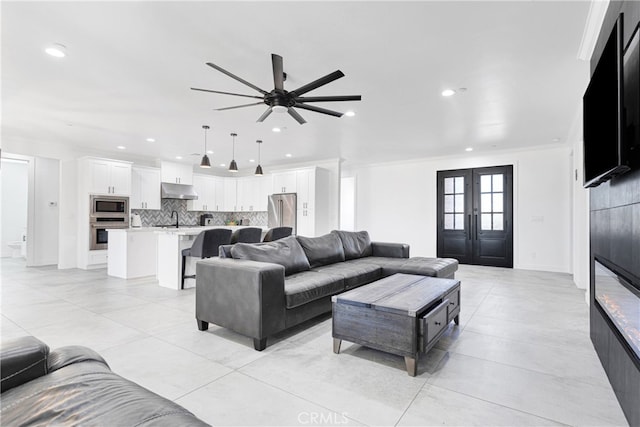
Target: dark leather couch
x=73, y=386
x=261, y=289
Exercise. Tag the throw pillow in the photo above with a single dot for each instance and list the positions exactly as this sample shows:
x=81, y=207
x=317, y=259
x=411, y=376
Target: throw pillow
x=287, y=252
x=322, y=250
x=355, y=244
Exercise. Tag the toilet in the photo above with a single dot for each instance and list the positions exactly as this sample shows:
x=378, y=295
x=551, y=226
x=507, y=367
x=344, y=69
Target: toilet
x=19, y=247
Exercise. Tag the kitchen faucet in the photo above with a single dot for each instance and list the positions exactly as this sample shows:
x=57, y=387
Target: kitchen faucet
x=175, y=212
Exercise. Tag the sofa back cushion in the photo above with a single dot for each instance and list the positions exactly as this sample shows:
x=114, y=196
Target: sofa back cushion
x=356, y=244
x=322, y=250
x=287, y=252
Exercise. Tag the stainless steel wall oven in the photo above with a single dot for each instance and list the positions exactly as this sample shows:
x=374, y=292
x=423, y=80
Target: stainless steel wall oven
x=106, y=212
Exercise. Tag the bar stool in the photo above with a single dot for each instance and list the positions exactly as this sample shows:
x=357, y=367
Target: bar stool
x=205, y=245
x=246, y=235
x=276, y=233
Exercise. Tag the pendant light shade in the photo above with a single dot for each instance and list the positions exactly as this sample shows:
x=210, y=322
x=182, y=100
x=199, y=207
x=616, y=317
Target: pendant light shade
x=259, y=168
x=205, y=163
x=233, y=166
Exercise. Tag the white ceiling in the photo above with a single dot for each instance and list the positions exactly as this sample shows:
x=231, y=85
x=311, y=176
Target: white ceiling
x=130, y=65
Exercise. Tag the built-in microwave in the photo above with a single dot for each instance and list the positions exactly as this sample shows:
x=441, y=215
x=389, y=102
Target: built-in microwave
x=109, y=206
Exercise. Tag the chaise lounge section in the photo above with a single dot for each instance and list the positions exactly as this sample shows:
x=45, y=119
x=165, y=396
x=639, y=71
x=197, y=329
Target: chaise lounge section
x=261, y=289
x=73, y=385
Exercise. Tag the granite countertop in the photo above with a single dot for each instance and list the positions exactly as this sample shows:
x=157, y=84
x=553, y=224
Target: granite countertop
x=183, y=230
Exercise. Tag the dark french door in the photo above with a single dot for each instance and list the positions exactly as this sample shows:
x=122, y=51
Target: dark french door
x=475, y=215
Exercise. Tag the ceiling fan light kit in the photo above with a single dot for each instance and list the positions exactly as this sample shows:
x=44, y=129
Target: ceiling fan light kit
x=205, y=163
x=279, y=100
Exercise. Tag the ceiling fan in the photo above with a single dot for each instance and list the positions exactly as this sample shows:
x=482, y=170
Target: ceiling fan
x=279, y=100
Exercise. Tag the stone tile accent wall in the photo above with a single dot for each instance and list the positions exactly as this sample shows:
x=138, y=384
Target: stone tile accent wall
x=151, y=218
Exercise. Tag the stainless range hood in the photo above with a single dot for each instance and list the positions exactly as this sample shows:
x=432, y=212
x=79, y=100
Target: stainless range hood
x=177, y=191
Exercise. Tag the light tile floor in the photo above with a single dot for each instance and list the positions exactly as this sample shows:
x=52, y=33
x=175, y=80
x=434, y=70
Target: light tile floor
x=521, y=355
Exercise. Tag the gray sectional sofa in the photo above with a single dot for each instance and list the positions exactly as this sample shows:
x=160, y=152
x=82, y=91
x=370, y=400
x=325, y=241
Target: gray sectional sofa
x=261, y=289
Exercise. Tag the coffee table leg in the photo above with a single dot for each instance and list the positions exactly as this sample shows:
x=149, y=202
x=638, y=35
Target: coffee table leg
x=411, y=365
x=457, y=319
x=336, y=345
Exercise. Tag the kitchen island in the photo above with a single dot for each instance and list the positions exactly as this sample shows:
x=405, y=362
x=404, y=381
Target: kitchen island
x=171, y=242
x=131, y=252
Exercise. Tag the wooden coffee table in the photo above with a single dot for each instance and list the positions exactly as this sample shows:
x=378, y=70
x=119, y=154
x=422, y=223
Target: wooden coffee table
x=403, y=314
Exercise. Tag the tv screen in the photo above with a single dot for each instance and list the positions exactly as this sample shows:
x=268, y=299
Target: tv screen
x=602, y=106
x=631, y=71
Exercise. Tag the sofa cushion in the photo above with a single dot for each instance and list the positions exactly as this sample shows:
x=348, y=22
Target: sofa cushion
x=287, y=252
x=389, y=265
x=354, y=273
x=307, y=286
x=355, y=244
x=322, y=250
x=435, y=267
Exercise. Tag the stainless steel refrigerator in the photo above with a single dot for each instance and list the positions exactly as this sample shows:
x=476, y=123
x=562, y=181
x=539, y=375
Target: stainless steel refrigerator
x=282, y=210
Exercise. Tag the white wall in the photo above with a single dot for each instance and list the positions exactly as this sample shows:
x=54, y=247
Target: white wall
x=15, y=178
x=396, y=202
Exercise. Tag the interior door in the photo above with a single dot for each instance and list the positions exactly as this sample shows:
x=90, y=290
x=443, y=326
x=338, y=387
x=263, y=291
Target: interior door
x=475, y=215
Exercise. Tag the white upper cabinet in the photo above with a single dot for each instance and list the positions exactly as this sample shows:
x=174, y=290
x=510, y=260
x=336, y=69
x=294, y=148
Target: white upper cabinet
x=205, y=186
x=176, y=173
x=145, y=188
x=284, y=182
x=229, y=200
x=107, y=176
x=218, y=183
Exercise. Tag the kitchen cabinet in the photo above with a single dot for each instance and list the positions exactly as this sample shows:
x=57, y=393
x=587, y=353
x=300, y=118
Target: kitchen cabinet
x=176, y=173
x=218, y=183
x=145, y=188
x=107, y=176
x=229, y=201
x=284, y=182
x=312, y=188
x=252, y=193
x=205, y=186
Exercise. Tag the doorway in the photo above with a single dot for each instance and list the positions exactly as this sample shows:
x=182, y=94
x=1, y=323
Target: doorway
x=475, y=215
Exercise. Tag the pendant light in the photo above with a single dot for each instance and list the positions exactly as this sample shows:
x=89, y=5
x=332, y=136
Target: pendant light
x=233, y=166
x=205, y=163
x=259, y=168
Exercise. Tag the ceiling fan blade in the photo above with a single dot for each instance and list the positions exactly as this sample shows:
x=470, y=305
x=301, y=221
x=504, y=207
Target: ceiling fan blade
x=328, y=98
x=264, y=115
x=278, y=72
x=318, y=110
x=233, y=76
x=239, y=106
x=317, y=83
x=226, y=93
x=293, y=113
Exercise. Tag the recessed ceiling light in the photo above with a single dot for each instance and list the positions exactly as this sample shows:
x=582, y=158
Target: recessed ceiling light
x=556, y=140
x=350, y=113
x=222, y=165
x=468, y=149
x=276, y=129
x=121, y=147
x=448, y=92
x=179, y=157
x=57, y=50
x=209, y=151
x=151, y=140
x=251, y=160
x=288, y=155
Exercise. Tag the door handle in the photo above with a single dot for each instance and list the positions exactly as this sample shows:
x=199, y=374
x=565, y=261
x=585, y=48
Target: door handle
x=476, y=227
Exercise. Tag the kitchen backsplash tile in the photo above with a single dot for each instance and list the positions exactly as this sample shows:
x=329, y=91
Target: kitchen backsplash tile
x=151, y=218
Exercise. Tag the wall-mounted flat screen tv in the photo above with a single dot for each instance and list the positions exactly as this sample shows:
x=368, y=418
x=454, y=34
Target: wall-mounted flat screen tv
x=603, y=114
x=631, y=102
